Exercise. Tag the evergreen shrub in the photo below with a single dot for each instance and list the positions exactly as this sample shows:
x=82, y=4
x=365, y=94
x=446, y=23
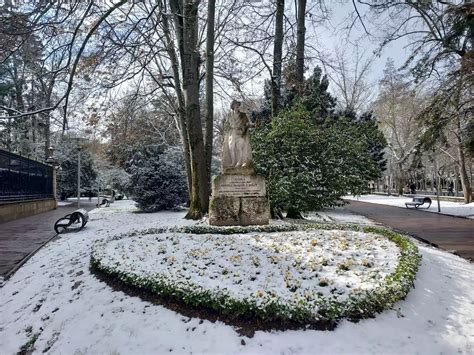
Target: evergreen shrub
x=157, y=178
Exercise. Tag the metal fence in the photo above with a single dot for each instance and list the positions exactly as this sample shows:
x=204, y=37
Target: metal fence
x=24, y=179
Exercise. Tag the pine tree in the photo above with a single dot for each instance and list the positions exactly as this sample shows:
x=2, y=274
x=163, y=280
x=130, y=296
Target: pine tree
x=157, y=178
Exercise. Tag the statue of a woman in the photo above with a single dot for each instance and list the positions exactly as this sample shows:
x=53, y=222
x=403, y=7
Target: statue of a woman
x=236, y=150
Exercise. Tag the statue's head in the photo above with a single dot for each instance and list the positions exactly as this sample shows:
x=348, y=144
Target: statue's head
x=235, y=105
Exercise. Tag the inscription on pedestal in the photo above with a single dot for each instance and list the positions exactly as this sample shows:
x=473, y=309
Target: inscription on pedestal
x=239, y=186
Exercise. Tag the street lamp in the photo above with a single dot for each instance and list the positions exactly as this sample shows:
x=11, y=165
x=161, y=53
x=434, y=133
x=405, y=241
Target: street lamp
x=50, y=160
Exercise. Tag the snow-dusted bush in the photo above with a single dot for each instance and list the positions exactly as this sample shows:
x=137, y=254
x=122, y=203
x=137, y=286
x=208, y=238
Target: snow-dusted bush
x=117, y=178
x=157, y=178
x=309, y=274
x=310, y=165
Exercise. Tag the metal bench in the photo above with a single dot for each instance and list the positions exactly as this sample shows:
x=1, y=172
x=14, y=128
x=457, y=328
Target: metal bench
x=74, y=221
x=418, y=201
x=105, y=202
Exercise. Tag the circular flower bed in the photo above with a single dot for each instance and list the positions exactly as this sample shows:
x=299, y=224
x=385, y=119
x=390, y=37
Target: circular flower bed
x=305, y=274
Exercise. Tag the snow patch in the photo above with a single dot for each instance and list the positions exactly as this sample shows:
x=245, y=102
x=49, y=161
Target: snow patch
x=290, y=268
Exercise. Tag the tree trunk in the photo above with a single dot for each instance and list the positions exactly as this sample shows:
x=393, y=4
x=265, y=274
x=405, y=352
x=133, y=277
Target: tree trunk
x=190, y=64
x=177, y=9
x=300, y=37
x=277, y=56
x=211, y=9
x=399, y=179
x=294, y=213
x=466, y=185
x=9, y=134
x=47, y=123
x=181, y=121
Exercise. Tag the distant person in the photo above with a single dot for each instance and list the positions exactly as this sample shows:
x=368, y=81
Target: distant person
x=89, y=193
x=451, y=189
x=413, y=188
x=113, y=196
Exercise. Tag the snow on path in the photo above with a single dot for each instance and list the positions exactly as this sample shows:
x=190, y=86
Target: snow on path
x=447, y=207
x=54, y=291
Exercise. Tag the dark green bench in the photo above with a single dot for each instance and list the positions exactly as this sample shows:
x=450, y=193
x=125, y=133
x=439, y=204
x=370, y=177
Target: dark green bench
x=419, y=201
x=74, y=221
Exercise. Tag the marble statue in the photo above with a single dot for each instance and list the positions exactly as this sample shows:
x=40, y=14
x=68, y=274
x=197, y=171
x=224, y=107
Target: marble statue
x=236, y=150
x=239, y=195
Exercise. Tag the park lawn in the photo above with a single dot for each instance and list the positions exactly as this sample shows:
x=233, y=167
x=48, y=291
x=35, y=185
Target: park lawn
x=55, y=303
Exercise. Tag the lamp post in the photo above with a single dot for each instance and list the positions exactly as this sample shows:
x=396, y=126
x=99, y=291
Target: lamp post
x=79, y=177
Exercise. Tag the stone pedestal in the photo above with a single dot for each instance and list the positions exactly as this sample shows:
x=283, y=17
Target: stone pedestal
x=238, y=198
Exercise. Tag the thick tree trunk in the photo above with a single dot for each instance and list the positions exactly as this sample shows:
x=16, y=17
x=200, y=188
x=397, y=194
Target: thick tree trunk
x=277, y=56
x=181, y=121
x=300, y=37
x=200, y=195
x=211, y=9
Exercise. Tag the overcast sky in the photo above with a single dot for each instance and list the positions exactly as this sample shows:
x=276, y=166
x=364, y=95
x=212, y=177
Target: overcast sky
x=327, y=37
x=332, y=35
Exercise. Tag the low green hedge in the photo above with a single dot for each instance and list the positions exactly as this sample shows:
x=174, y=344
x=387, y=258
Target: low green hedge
x=360, y=304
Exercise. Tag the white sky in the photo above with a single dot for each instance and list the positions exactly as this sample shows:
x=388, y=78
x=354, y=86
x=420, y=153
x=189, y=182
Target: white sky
x=327, y=37
x=333, y=35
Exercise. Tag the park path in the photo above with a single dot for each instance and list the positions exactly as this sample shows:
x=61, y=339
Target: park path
x=454, y=234
x=21, y=237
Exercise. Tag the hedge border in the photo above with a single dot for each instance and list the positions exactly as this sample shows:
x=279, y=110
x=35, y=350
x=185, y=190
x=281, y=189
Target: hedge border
x=359, y=305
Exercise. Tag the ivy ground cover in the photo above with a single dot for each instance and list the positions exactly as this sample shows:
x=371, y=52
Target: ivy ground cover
x=300, y=274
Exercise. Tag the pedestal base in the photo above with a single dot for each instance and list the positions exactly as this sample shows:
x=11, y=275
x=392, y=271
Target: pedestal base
x=238, y=200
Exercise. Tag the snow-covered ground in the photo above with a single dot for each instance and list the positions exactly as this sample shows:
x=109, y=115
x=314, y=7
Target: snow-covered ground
x=55, y=298
x=447, y=207
x=338, y=215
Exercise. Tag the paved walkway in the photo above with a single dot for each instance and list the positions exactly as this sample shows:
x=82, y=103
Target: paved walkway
x=449, y=233
x=20, y=237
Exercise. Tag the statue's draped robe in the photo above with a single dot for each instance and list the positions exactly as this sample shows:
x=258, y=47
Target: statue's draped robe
x=236, y=150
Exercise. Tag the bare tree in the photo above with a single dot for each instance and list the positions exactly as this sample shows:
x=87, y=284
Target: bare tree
x=397, y=107
x=350, y=78
x=445, y=120
x=277, y=56
x=211, y=10
x=300, y=40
